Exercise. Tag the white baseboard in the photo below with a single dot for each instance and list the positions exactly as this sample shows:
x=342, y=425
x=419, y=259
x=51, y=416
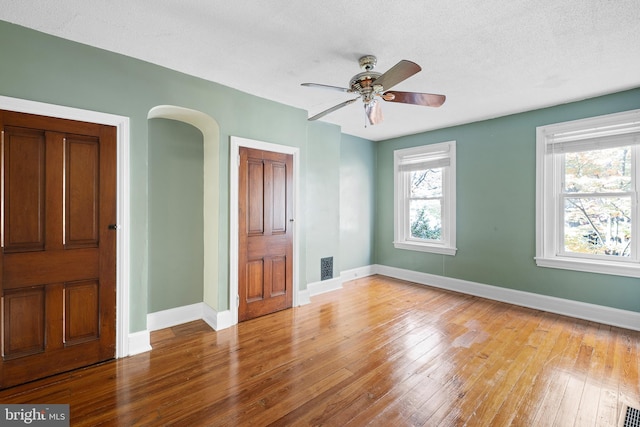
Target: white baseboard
x=324, y=286
x=139, y=342
x=356, y=273
x=218, y=320
x=317, y=288
x=581, y=310
x=174, y=316
x=304, y=297
x=188, y=313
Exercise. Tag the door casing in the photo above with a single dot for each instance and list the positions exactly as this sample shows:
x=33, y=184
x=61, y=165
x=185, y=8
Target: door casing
x=123, y=186
x=234, y=154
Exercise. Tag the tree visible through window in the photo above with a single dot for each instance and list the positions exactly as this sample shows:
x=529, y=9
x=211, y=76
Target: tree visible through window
x=426, y=204
x=597, y=202
x=587, y=195
x=425, y=198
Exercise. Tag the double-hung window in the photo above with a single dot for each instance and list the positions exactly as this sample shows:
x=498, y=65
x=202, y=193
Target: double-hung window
x=588, y=173
x=425, y=198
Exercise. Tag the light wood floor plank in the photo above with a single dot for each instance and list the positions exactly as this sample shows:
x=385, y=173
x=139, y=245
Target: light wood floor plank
x=378, y=352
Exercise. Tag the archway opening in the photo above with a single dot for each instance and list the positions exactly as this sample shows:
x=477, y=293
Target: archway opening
x=210, y=197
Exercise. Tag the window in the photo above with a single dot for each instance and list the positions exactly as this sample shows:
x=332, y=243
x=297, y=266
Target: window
x=425, y=198
x=587, y=195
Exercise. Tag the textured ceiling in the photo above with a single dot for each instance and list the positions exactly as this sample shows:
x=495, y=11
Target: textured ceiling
x=490, y=57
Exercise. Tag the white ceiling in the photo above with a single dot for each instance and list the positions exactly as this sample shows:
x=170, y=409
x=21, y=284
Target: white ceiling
x=489, y=57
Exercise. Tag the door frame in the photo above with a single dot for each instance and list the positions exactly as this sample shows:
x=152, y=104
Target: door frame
x=234, y=167
x=122, y=187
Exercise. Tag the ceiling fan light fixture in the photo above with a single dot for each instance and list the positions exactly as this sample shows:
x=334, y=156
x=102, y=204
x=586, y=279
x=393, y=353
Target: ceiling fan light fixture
x=373, y=111
x=368, y=84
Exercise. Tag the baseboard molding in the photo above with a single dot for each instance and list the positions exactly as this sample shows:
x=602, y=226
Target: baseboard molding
x=218, y=320
x=330, y=285
x=174, y=316
x=356, y=273
x=304, y=297
x=324, y=286
x=581, y=310
x=139, y=342
x=188, y=313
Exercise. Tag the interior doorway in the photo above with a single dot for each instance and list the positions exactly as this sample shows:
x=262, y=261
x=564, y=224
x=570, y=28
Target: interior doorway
x=236, y=144
x=58, y=258
x=121, y=123
x=265, y=227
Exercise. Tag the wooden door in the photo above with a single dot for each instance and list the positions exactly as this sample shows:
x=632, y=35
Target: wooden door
x=265, y=219
x=58, y=255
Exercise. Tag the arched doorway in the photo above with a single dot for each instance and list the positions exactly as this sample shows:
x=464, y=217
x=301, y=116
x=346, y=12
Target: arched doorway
x=211, y=143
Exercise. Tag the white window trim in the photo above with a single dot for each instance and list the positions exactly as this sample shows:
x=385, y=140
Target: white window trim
x=442, y=151
x=548, y=213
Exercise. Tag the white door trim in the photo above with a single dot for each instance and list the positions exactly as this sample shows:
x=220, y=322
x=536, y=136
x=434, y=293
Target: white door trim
x=123, y=186
x=234, y=153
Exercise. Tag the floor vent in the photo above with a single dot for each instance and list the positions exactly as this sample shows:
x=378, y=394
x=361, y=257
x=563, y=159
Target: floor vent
x=326, y=268
x=631, y=418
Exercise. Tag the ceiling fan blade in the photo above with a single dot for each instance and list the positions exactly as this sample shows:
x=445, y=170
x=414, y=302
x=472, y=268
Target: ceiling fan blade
x=396, y=74
x=373, y=111
x=426, y=99
x=332, y=109
x=319, y=86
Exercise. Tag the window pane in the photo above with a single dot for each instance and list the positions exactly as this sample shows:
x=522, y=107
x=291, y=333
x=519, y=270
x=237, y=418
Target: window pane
x=426, y=183
x=426, y=219
x=598, y=171
x=598, y=226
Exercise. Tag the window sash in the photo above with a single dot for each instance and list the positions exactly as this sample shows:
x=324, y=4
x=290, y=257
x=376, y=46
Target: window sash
x=560, y=196
x=407, y=225
x=409, y=160
x=553, y=141
x=633, y=256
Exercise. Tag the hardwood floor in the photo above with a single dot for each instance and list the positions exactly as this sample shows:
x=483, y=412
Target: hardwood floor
x=379, y=352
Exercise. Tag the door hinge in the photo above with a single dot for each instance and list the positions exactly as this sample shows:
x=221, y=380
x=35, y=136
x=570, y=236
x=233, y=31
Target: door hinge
x=237, y=301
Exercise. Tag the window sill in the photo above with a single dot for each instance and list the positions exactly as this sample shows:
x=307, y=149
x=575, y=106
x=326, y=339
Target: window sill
x=615, y=268
x=422, y=247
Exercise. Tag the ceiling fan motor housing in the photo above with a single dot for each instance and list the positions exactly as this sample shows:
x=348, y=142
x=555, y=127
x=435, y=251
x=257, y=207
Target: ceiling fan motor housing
x=363, y=83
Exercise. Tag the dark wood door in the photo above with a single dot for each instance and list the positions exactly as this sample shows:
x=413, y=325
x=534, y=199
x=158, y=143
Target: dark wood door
x=58, y=255
x=265, y=219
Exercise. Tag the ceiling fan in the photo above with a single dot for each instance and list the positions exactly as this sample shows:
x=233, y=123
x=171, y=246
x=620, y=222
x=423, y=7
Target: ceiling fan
x=371, y=85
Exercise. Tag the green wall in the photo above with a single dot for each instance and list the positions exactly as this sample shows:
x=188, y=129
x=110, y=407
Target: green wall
x=357, y=202
x=322, y=198
x=43, y=68
x=176, y=249
x=496, y=197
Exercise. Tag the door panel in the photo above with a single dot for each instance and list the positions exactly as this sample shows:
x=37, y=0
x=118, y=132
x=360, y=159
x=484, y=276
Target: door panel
x=265, y=256
x=81, y=310
x=255, y=199
x=279, y=212
x=57, y=262
x=24, y=177
x=255, y=280
x=278, y=276
x=81, y=192
x=24, y=317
